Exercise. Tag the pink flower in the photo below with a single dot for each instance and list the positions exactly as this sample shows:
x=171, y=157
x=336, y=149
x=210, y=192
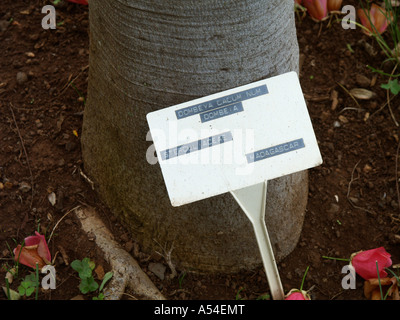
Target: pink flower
x=334, y=5
x=85, y=2
x=377, y=16
x=35, y=250
x=295, y=294
x=364, y=262
x=318, y=9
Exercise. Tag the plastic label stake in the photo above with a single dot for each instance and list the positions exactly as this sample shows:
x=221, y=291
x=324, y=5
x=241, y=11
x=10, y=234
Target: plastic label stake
x=252, y=200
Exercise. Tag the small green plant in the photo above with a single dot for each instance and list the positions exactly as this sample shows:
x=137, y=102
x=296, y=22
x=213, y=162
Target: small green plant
x=265, y=296
x=304, y=278
x=180, y=279
x=84, y=269
x=30, y=284
x=81, y=96
x=392, y=85
x=348, y=46
x=238, y=297
x=107, y=277
x=88, y=284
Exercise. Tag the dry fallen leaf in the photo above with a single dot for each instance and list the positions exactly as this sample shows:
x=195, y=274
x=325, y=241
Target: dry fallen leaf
x=335, y=101
x=99, y=272
x=10, y=275
x=52, y=198
x=343, y=119
x=64, y=255
x=389, y=287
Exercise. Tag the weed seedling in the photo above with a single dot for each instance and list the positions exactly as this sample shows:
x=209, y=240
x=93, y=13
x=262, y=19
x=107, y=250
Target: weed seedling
x=180, y=279
x=30, y=284
x=84, y=269
x=392, y=85
x=88, y=284
x=107, y=277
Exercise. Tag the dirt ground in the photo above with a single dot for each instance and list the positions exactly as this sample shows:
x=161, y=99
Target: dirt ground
x=353, y=198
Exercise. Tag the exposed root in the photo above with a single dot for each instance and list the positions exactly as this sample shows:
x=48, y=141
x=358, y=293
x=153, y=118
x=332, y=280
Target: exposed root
x=126, y=270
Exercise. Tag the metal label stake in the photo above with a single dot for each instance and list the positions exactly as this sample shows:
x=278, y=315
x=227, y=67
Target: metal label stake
x=252, y=200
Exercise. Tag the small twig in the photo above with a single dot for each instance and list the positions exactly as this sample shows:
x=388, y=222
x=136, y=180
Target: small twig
x=396, y=174
x=26, y=154
x=86, y=178
x=337, y=294
x=320, y=29
x=167, y=257
x=69, y=82
x=64, y=255
x=390, y=109
x=352, y=180
x=60, y=221
x=130, y=296
x=351, y=108
x=381, y=108
x=388, y=98
x=349, y=188
x=179, y=291
x=348, y=92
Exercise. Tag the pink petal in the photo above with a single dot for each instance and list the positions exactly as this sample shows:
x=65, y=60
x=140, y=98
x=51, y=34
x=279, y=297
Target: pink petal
x=365, y=263
x=318, y=9
x=295, y=294
x=378, y=18
x=40, y=241
x=85, y=2
x=28, y=257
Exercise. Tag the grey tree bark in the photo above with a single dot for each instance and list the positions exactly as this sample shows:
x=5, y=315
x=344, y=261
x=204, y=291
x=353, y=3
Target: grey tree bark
x=146, y=55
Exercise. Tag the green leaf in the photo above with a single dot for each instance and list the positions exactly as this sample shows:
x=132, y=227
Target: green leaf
x=99, y=297
x=21, y=290
x=88, y=285
x=76, y=265
x=392, y=85
x=93, y=285
x=85, y=273
x=83, y=267
x=83, y=287
x=107, y=277
x=31, y=278
x=264, y=297
x=88, y=263
x=29, y=291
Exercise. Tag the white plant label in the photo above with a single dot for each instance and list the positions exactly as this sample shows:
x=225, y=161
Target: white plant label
x=234, y=139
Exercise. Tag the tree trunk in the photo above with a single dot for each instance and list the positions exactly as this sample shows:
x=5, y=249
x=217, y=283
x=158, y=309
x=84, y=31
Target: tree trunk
x=146, y=55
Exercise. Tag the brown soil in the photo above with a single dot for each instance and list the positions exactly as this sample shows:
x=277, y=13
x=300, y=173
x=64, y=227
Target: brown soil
x=353, y=200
